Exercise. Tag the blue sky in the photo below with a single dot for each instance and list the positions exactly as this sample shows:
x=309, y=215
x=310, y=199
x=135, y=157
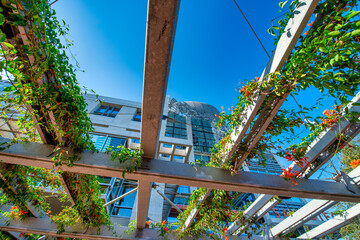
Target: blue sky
x=214, y=47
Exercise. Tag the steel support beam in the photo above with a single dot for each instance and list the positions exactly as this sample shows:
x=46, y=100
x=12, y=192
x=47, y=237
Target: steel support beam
x=333, y=224
x=120, y=197
x=169, y=201
x=160, y=36
x=38, y=155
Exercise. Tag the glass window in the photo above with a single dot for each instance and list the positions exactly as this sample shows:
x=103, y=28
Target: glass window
x=183, y=189
x=202, y=158
x=123, y=207
x=107, y=111
x=180, y=147
x=137, y=116
x=98, y=141
x=181, y=200
x=114, y=142
x=176, y=126
x=203, y=136
x=135, y=140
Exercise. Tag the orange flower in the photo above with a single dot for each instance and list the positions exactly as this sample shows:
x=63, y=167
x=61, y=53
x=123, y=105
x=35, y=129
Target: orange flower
x=163, y=222
x=355, y=163
x=48, y=212
x=148, y=222
x=326, y=113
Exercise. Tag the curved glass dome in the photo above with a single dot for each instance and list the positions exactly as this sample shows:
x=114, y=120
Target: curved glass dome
x=202, y=107
x=195, y=109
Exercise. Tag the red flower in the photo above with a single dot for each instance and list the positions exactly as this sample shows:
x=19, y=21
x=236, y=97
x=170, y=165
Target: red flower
x=166, y=229
x=289, y=175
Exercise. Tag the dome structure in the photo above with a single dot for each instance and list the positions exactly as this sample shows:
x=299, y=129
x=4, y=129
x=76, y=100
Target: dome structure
x=195, y=109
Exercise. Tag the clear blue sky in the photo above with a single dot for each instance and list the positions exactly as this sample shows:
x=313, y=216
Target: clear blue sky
x=214, y=47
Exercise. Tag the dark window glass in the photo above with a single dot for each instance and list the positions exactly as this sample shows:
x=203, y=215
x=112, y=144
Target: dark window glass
x=137, y=116
x=203, y=136
x=176, y=126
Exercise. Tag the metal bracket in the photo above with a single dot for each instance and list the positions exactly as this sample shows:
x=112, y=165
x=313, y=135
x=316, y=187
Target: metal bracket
x=349, y=186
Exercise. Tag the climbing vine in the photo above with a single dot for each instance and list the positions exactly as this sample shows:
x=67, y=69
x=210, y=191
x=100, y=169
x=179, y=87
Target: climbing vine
x=326, y=57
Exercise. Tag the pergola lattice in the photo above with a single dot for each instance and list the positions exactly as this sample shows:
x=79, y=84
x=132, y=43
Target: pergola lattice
x=161, y=27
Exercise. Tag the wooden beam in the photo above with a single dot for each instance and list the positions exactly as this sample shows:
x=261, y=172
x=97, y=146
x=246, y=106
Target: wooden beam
x=44, y=226
x=333, y=224
x=37, y=155
x=143, y=197
x=160, y=36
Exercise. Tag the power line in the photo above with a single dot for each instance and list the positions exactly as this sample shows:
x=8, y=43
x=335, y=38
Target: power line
x=252, y=28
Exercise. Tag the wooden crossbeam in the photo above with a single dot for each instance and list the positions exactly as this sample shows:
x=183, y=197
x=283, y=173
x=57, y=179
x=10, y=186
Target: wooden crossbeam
x=36, y=154
x=44, y=226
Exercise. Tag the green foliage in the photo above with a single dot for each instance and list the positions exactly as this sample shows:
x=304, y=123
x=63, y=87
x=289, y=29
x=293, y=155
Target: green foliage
x=47, y=104
x=125, y=155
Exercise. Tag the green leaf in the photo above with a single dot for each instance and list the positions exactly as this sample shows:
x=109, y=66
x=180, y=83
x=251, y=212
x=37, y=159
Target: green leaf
x=2, y=37
x=282, y=4
x=2, y=19
x=8, y=45
x=356, y=104
x=334, y=33
x=332, y=61
x=352, y=14
x=355, y=33
x=9, y=89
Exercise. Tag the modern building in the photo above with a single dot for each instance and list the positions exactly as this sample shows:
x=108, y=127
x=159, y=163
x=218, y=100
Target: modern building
x=187, y=134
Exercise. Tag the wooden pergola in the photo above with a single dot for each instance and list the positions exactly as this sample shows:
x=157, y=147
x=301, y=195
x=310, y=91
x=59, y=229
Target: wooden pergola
x=161, y=28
